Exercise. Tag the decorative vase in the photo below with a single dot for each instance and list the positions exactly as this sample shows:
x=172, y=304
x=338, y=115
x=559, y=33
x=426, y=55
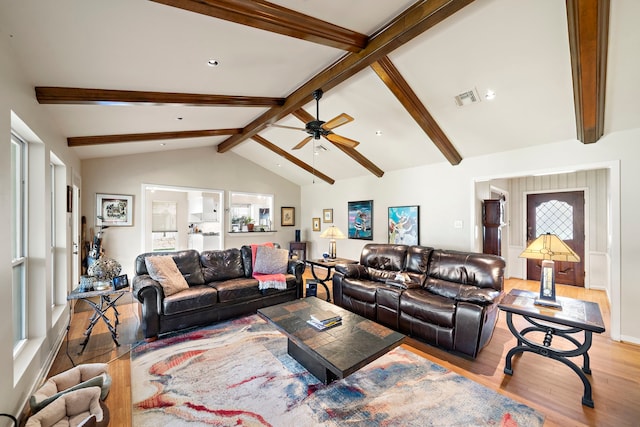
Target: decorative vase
x=104, y=270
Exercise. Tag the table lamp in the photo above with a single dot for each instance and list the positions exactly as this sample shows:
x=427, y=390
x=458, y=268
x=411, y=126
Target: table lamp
x=549, y=248
x=332, y=233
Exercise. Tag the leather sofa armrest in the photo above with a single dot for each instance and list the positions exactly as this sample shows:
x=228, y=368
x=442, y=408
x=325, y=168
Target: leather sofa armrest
x=296, y=267
x=353, y=271
x=482, y=296
x=150, y=294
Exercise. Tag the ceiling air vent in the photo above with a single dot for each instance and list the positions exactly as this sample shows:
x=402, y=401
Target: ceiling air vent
x=467, y=98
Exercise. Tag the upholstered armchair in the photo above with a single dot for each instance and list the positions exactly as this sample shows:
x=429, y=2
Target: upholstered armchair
x=81, y=376
x=76, y=408
x=72, y=398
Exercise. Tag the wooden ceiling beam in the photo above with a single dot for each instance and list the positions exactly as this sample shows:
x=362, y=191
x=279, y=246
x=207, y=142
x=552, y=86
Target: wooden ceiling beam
x=73, y=95
x=313, y=171
x=276, y=19
x=305, y=117
x=83, y=141
x=414, y=21
x=588, y=22
x=390, y=75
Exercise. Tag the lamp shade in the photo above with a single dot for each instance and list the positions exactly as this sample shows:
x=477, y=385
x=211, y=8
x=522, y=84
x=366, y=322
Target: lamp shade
x=332, y=232
x=550, y=247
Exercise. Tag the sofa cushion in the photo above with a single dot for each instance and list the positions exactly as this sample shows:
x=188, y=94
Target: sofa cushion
x=236, y=289
x=460, y=292
x=222, y=265
x=188, y=262
x=383, y=256
x=193, y=298
x=381, y=275
x=423, y=305
x=480, y=270
x=361, y=290
x=417, y=263
x=271, y=260
x=164, y=270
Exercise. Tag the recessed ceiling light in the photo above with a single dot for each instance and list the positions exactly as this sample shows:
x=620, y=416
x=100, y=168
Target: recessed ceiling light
x=378, y=133
x=213, y=63
x=162, y=144
x=489, y=95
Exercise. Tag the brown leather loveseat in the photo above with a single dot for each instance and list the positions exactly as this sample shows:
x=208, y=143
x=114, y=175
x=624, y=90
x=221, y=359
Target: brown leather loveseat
x=221, y=287
x=446, y=298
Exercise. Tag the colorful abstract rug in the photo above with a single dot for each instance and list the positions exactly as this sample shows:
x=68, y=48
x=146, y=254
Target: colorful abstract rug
x=238, y=373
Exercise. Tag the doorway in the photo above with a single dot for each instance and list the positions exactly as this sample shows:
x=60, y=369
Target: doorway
x=562, y=214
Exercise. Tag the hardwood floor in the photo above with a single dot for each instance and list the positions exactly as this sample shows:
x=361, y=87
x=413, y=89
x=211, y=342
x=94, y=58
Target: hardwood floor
x=544, y=384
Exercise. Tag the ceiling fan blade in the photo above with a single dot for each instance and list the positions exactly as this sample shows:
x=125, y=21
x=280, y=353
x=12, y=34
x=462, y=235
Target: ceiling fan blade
x=302, y=143
x=337, y=139
x=286, y=127
x=340, y=120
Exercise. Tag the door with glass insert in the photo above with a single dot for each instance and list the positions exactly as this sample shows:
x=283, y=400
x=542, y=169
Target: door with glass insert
x=563, y=215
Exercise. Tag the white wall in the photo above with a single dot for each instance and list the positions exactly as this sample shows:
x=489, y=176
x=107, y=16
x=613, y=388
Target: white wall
x=446, y=194
x=197, y=168
x=20, y=376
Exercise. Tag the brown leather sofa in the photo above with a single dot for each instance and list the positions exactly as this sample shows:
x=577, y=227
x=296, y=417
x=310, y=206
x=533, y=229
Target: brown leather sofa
x=448, y=298
x=221, y=287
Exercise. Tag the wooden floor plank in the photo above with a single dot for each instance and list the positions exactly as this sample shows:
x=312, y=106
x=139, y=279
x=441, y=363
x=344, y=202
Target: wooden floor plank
x=544, y=384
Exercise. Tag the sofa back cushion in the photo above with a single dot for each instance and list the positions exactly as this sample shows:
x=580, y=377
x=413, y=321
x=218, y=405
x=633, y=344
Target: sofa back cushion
x=221, y=265
x=187, y=261
x=383, y=261
x=417, y=263
x=454, y=274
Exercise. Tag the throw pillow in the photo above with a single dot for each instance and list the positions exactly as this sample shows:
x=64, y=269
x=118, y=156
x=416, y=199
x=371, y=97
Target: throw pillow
x=271, y=260
x=164, y=270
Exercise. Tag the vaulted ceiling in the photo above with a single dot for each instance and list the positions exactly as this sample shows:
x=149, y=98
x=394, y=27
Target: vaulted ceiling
x=123, y=77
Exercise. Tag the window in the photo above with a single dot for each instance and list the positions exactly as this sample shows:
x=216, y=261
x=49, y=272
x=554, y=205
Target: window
x=555, y=217
x=52, y=247
x=18, y=239
x=251, y=208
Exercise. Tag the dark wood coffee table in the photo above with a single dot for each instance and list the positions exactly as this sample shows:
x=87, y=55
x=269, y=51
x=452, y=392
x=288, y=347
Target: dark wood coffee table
x=336, y=352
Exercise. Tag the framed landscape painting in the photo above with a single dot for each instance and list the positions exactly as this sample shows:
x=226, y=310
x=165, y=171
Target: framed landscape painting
x=360, y=220
x=404, y=225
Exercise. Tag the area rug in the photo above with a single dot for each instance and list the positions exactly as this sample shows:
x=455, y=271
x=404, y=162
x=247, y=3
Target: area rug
x=238, y=373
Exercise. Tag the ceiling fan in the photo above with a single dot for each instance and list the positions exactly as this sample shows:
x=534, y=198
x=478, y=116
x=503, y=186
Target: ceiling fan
x=317, y=128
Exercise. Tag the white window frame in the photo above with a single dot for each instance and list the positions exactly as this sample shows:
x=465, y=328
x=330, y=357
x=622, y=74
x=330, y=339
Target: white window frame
x=19, y=249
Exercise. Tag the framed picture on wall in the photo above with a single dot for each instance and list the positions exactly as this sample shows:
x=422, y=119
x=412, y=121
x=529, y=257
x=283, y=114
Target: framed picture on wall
x=360, y=220
x=287, y=216
x=327, y=215
x=114, y=210
x=315, y=224
x=404, y=225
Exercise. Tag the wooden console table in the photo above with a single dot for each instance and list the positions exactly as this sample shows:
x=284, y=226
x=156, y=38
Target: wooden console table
x=575, y=317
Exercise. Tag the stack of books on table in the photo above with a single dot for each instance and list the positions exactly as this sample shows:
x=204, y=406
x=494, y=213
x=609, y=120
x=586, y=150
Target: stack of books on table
x=324, y=319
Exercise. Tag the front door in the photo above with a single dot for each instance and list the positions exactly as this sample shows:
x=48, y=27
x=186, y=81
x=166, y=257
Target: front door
x=561, y=214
